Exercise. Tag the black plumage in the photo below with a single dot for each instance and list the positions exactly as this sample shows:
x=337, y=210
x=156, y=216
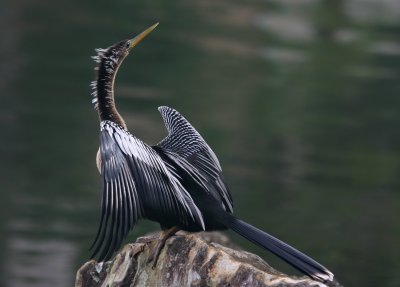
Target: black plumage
x=177, y=183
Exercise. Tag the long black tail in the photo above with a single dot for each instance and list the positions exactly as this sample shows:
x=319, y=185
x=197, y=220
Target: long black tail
x=292, y=256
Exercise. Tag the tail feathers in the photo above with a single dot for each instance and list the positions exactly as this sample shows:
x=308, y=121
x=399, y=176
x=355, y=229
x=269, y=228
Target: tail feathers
x=292, y=256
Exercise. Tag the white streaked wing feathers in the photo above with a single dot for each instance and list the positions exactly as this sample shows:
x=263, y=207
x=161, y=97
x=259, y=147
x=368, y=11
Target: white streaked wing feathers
x=132, y=170
x=184, y=140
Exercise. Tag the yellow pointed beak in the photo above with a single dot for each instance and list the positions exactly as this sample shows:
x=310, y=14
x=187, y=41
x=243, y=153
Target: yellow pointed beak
x=142, y=35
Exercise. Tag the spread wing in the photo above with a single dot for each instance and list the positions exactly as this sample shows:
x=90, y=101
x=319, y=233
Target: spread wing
x=136, y=184
x=187, y=148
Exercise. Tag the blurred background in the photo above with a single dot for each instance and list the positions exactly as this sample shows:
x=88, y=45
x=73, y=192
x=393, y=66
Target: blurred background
x=299, y=99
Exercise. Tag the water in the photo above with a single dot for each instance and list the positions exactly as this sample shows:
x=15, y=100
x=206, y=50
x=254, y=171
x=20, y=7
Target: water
x=299, y=100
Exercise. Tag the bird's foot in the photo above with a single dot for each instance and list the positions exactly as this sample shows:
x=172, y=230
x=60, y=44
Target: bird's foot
x=153, y=257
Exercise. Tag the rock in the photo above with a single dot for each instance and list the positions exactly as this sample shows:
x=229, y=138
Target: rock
x=193, y=259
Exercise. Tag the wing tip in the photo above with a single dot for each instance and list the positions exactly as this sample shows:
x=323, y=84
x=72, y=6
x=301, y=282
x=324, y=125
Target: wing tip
x=162, y=109
x=165, y=110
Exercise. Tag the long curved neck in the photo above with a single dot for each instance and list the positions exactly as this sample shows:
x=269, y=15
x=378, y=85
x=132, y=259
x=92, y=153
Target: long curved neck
x=104, y=91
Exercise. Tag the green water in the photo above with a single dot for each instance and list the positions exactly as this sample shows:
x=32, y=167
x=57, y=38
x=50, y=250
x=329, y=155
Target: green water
x=300, y=101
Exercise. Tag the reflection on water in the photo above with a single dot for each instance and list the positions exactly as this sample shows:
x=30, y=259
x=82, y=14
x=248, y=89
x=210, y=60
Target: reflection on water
x=298, y=98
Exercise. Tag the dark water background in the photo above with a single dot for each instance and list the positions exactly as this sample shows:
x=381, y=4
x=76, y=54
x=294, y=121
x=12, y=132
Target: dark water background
x=299, y=99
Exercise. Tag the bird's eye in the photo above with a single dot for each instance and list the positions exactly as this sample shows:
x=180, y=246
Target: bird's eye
x=128, y=44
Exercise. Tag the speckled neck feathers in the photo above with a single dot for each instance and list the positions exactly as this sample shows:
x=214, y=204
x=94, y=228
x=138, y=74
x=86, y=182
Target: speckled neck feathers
x=108, y=61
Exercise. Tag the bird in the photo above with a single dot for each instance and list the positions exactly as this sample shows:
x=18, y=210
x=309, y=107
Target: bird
x=178, y=182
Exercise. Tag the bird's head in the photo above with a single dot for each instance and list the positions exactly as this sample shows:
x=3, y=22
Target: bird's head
x=112, y=57
x=108, y=61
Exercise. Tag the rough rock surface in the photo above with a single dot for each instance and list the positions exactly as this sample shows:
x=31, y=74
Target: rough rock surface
x=200, y=259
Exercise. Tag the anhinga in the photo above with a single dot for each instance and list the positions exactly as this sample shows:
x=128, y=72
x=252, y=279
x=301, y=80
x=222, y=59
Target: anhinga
x=177, y=183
